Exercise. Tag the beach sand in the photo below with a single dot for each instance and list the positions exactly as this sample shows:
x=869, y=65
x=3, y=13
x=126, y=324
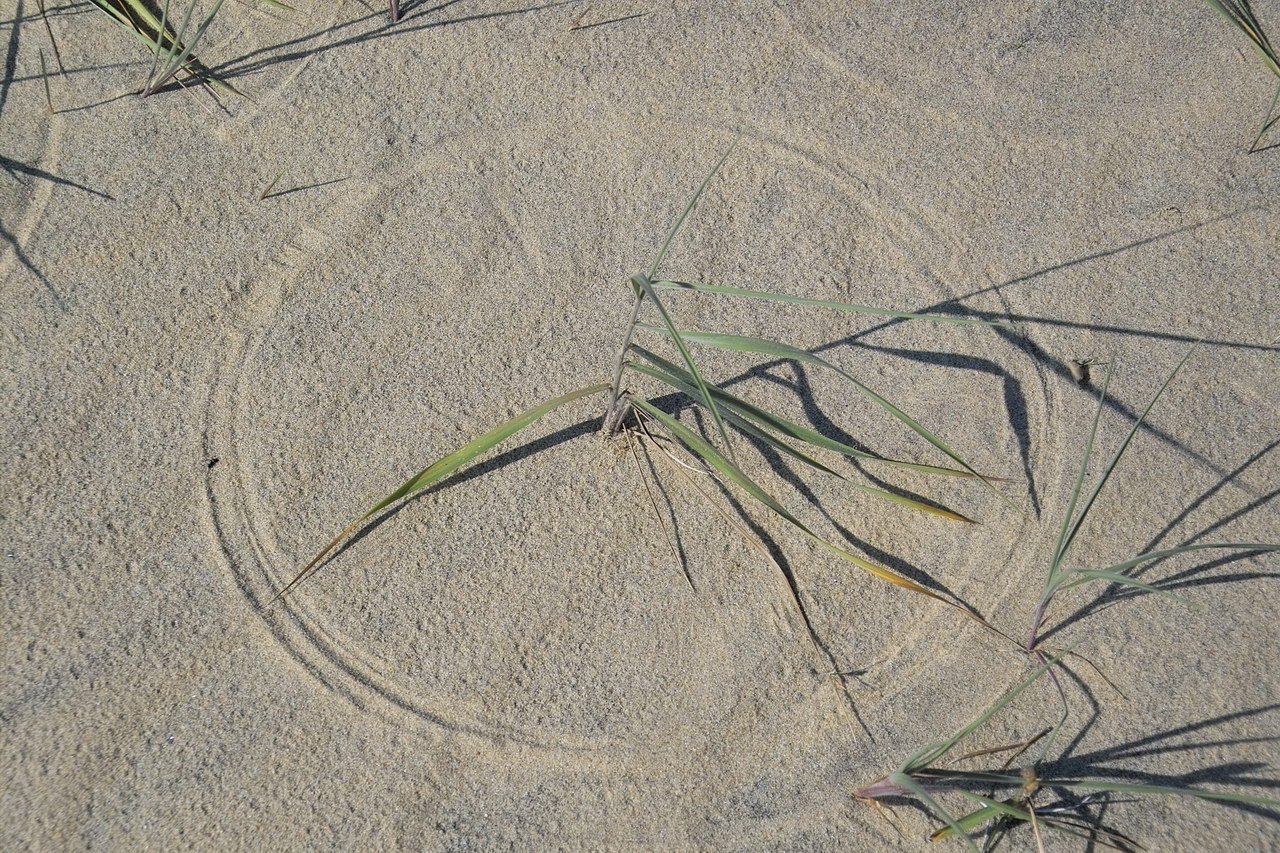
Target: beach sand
x=203, y=387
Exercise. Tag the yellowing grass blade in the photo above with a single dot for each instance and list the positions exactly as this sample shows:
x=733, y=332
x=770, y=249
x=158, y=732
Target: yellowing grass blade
x=441, y=468
x=763, y=346
x=717, y=461
x=788, y=428
x=781, y=446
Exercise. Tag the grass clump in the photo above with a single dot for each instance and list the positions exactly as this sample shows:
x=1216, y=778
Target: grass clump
x=924, y=773
x=1240, y=14
x=171, y=50
x=643, y=421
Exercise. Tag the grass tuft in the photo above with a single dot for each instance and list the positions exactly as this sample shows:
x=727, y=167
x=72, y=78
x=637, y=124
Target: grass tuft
x=1240, y=14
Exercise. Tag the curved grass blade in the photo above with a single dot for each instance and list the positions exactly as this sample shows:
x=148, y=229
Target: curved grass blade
x=1127, y=788
x=755, y=432
x=1086, y=575
x=1070, y=533
x=643, y=283
x=927, y=756
x=788, y=428
x=780, y=350
x=824, y=303
x=717, y=461
x=1242, y=17
x=446, y=465
x=942, y=814
x=1244, y=547
x=671, y=235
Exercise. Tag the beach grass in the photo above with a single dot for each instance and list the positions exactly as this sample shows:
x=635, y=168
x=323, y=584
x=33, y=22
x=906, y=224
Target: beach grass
x=642, y=419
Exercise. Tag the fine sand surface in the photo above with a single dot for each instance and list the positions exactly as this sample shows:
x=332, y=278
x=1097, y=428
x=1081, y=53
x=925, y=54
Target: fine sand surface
x=202, y=388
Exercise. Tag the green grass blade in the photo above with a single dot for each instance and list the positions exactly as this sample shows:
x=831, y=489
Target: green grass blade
x=780, y=350
x=1242, y=17
x=1267, y=121
x=446, y=465
x=1059, y=551
x=990, y=810
x=750, y=429
x=1065, y=544
x=182, y=59
x=928, y=756
x=718, y=461
x=1128, y=788
x=646, y=287
x=785, y=427
x=824, y=303
x=1086, y=575
x=671, y=235
x=942, y=814
x=1184, y=549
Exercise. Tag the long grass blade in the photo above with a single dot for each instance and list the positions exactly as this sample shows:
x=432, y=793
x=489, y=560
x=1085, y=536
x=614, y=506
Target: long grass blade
x=942, y=814
x=785, y=427
x=1129, y=788
x=183, y=58
x=753, y=431
x=1059, y=553
x=1242, y=17
x=720, y=463
x=1074, y=529
x=446, y=465
x=780, y=350
x=1245, y=547
x=931, y=754
x=643, y=283
x=824, y=303
x=675, y=229
x=1086, y=575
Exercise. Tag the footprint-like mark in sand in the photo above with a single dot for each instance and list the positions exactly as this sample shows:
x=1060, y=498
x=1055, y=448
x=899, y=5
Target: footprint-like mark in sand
x=537, y=605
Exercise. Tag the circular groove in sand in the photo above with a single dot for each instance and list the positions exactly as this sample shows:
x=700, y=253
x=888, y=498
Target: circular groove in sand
x=247, y=522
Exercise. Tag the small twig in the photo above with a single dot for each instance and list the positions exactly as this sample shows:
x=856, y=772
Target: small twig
x=44, y=76
x=393, y=10
x=577, y=22
x=267, y=190
x=1035, y=827
x=57, y=55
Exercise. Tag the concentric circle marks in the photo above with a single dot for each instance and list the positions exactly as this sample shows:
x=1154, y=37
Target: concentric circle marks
x=536, y=601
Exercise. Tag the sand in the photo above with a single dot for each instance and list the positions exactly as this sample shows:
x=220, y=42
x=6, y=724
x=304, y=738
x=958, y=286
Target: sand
x=203, y=387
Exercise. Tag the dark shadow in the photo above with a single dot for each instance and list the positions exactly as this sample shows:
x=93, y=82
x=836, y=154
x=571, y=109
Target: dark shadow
x=608, y=22
x=1015, y=398
x=10, y=61
x=1099, y=763
x=95, y=104
x=677, y=540
x=249, y=63
x=23, y=168
x=32, y=268
x=87, y=69
x=292, y=190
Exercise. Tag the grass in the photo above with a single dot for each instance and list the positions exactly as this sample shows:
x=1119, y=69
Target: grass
x=643, y=421
x=1240, y=14
x=171, y=50
x=922, y=774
